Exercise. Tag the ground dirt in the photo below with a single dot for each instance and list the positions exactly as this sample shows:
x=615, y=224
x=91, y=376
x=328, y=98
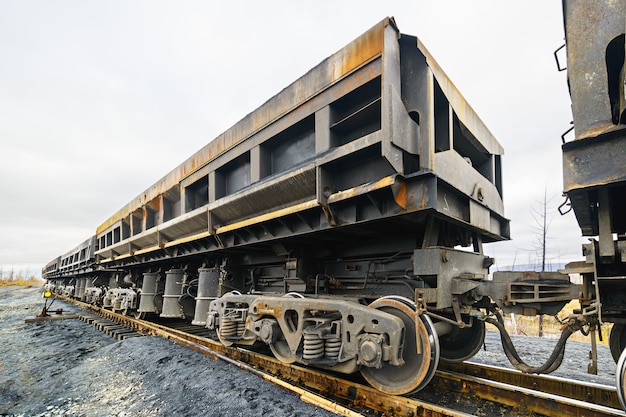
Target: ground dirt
x=67, y=367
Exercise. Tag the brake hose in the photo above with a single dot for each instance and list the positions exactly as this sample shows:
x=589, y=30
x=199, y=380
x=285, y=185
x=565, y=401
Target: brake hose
x=553, y=362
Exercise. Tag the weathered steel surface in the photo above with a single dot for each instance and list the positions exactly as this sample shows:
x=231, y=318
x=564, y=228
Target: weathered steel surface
x=594, y=162
x=462, y=108
x=592, y=34
x=590, y=164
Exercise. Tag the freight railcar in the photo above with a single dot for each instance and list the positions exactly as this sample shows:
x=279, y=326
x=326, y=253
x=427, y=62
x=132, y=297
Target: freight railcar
x=342, y=223
x=594, y=162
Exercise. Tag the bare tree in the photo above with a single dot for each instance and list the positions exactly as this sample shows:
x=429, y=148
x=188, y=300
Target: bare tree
x=541, y=216
x=541, y=227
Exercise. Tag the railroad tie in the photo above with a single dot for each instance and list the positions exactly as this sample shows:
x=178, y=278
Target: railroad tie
x=109, y=327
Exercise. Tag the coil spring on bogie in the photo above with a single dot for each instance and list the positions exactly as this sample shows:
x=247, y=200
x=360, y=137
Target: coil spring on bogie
x=313, y=347
x=332, y=348
x=228, y=328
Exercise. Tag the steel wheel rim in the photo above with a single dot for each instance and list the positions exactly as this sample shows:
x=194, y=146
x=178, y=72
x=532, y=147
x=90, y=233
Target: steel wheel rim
x=469, y=340
x=418, y=369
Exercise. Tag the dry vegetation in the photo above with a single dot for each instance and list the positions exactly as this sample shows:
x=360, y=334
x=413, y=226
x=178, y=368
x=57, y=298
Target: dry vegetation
x=529, y=326
x=23, y=279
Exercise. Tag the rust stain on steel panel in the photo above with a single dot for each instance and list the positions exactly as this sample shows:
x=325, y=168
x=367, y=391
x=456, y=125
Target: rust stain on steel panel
x=361, y=50
x=400, y=193
x=362, y=189
x=597, y=130
x=268, y=216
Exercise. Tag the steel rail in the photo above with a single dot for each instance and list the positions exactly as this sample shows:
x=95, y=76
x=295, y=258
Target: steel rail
x=582, y=391
x=548, y=396
x=524, y=400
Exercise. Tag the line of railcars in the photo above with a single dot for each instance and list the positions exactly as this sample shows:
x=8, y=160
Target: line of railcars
x=341, y=223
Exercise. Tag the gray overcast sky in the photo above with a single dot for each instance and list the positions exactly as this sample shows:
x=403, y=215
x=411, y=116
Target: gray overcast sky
x=98, y=100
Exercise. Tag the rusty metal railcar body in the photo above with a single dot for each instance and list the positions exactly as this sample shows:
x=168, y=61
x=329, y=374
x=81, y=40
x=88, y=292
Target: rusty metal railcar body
x=328, y=224
x=594, y=163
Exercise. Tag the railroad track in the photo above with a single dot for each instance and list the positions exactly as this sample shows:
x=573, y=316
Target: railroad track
x=474, y=385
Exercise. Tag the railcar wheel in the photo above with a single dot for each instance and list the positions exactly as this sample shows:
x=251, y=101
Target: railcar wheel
x=620, y=379
x=462, y=344
x=418, y=368
x=281, y=350
x=617, y=340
